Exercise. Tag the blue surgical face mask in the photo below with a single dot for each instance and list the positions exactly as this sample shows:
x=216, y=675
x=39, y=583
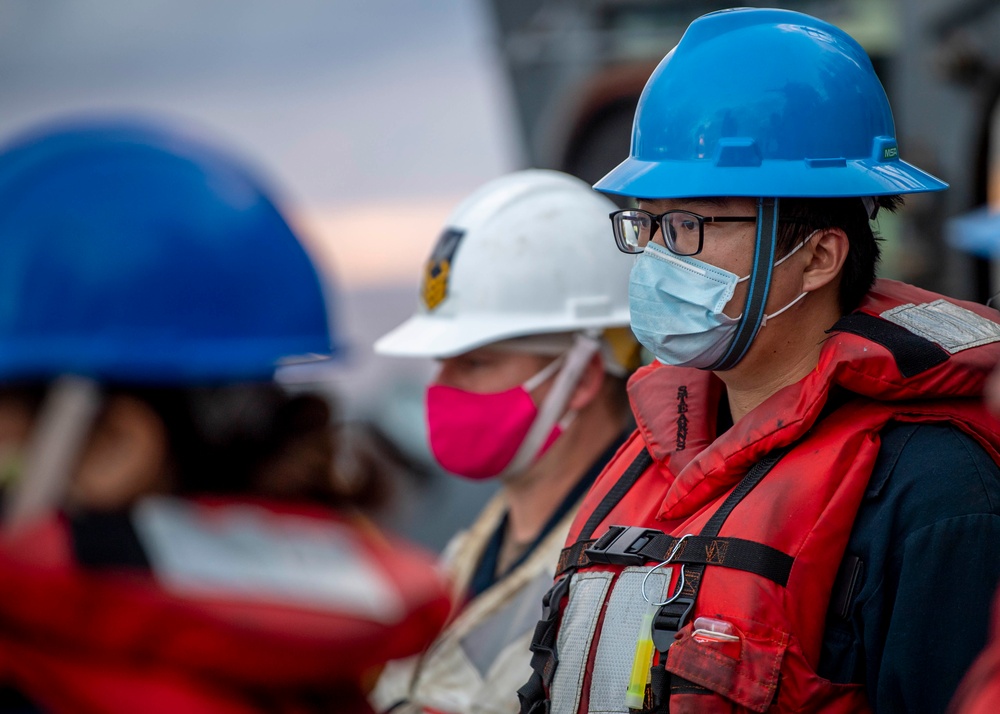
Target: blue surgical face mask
x=677, y=304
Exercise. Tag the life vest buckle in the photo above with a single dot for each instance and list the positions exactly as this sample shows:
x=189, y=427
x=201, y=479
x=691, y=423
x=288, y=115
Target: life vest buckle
x=620, y=545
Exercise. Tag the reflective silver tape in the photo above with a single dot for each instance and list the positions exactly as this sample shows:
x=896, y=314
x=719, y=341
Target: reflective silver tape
x=616, y=646
x=947, y=324
x=243, y=551
x=587, y=592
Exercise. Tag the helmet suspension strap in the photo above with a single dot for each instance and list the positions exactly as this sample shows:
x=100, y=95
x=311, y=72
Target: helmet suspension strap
x=760, y=285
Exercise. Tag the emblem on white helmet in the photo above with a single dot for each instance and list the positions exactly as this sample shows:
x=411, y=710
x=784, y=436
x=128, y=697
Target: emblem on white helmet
x=530, y=253
x=438, y=268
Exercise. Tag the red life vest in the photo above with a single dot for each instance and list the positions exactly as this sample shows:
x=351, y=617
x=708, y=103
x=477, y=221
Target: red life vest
x=239, y=637
x=928, y=365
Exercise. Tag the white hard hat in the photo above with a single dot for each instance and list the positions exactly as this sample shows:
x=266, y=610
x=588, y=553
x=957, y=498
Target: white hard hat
x=529, y=253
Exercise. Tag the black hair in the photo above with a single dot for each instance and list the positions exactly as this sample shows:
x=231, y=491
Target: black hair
x=221, y=439
x=851, y=216
x=258, y=439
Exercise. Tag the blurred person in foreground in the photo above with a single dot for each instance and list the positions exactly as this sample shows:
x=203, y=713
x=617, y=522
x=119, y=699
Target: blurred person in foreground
x=171, y=540
x=808, y=516
x=524, y=305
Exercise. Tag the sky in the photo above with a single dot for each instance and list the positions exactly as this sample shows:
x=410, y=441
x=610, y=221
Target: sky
x=373, y=117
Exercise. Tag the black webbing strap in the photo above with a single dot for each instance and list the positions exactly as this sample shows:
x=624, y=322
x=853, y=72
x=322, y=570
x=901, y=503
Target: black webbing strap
x=913, y=354
x=748, y=483
x=622, y=545
x=673, y=616
x=533, y=695
x=659, y=681
x=625, y=482
x=574, y=556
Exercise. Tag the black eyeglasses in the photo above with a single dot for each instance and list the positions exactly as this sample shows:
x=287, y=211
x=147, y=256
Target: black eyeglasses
x=683, y=231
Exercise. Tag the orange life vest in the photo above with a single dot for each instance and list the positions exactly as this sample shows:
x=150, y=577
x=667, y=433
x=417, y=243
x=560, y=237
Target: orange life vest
x=765, y=570
x=112, y=639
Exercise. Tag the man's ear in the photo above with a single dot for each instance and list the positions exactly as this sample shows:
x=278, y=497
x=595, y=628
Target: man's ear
x=125, y=458
x=589, y=385
x=829, y=252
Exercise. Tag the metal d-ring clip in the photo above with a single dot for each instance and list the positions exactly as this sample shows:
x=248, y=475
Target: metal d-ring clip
x=680, y=582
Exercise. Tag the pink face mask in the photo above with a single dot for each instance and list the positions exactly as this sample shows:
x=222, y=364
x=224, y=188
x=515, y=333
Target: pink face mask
x=477, y=435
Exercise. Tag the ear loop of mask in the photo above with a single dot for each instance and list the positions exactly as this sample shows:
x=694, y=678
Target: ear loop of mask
x=64, y=423
x=801, y=295
x=778, y=312
x=572, y=363
x=792, y=252
x=533, y=383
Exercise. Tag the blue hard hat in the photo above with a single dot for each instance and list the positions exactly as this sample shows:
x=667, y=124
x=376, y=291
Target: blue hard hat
x=759, y=102
x=132, y=253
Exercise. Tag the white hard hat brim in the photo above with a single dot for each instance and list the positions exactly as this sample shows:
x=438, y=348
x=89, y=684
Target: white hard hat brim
x=440, y=337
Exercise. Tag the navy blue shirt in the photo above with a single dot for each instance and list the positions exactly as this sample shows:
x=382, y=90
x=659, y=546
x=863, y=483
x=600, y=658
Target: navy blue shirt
x=927, y=545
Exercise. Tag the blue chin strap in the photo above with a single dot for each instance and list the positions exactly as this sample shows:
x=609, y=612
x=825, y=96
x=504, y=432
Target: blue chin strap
x=760, y=285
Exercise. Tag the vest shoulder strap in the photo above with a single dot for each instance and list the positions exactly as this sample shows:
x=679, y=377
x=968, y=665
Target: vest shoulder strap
x=913, y=354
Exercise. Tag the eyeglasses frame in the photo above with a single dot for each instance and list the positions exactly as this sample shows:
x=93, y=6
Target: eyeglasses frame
x=656, y=222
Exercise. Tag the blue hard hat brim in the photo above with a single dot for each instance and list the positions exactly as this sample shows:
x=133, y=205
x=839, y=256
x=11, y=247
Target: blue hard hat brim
x=836, y=179
x=156, y=362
